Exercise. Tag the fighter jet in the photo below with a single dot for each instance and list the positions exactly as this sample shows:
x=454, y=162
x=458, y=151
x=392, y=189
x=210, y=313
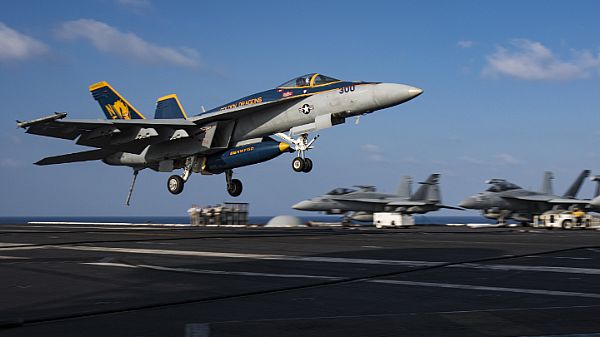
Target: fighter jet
x=505, y=200
x=217, y=141
x=594, y=204
x=360, y=204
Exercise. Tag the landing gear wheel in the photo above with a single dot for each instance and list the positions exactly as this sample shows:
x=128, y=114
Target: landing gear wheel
x=308, y=165
x=298, y=164
x=235, y=188
x=175, y=184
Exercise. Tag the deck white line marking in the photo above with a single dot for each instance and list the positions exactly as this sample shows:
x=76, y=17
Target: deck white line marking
x=251, y=256
x=501, y=267
x=11, y=244
x=5, y=257
x=394, y=282
x=237, y=273
x=558, y=257
x=209, y=271
x=512, y=267
x=110, y=264
x=82, y=223
x=486, y=288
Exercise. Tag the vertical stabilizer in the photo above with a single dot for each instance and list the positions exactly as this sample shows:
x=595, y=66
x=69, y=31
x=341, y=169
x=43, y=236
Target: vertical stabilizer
x=574, y=189
x=169, y=107
x=112, y=103
x=547, y=187
x=429, y=190
x=405, y=187
x=597, y=180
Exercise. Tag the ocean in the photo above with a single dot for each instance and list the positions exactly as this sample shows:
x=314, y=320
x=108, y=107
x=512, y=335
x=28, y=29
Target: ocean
x=419, y=219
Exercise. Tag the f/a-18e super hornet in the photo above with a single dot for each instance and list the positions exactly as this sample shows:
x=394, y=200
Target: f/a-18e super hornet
x=360, y=204
x=505, y=200
x=232, y=135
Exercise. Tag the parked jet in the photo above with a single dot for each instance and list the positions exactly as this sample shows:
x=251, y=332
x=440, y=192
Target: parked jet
x=594, y=204
x=362, y=203
x=232, y=135
x=505, y=200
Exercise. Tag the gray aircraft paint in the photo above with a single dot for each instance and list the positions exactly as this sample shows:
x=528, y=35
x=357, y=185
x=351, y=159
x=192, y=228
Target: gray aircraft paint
x=504, y=200
x=339, y=201
x=168, y=144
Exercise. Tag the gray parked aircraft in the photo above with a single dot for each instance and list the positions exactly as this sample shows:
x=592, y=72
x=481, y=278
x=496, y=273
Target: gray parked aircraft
x=233, y=135
x=504, y=200
x=360, y=204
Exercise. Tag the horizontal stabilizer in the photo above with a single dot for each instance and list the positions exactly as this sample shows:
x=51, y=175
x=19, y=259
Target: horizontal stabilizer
x=169, y=107
x=451, y=207
x=75, y=157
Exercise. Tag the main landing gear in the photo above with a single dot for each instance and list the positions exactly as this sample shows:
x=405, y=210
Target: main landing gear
x=176, y=183
x=234, y=186
x=301, y=145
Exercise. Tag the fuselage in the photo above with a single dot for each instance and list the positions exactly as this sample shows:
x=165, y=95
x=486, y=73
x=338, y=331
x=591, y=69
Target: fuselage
x=495, y=205
x=349, y=202
x=341, y=99
x=311, y=101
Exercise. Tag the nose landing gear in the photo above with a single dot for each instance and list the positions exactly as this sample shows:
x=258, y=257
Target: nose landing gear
x=300, y=164
x=301, y=145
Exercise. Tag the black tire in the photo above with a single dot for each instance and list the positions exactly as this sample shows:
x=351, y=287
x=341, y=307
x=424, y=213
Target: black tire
x=175, y=184
x=567, y=224
x=308, y=165
x=298, y=164
x=235, y=189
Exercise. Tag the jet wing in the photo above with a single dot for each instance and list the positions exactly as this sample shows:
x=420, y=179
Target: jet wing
x=384, y=201
x=235, y=112
x=532, y=198
x=362, y=200
x=569, y=201
x=115, y=135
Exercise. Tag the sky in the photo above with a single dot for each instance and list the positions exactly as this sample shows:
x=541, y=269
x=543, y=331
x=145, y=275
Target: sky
x=510, y=91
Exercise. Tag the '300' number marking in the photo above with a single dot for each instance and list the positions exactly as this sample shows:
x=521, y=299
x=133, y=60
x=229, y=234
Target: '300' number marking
x=347, y=89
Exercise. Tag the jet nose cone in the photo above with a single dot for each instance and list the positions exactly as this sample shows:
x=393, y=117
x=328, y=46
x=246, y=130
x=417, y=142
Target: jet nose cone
x=390, y=94
x=302, y=205
x=414, y=91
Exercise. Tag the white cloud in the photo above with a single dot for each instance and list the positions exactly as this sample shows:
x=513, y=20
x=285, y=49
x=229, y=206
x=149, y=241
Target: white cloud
x=9, y=163
x=110, y=40
x=531, y=60
x=465, y=44
x=374, y=152
x=18, y=46
x=507, y=159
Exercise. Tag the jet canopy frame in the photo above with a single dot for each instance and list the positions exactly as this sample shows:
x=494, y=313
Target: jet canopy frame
x=309, y=80
x=340, y=191
x=501, y=185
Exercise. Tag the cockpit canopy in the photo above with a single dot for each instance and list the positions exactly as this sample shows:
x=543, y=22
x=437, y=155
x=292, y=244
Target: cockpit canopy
x=340, y=191
x=309, y=80
x=501, y=185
